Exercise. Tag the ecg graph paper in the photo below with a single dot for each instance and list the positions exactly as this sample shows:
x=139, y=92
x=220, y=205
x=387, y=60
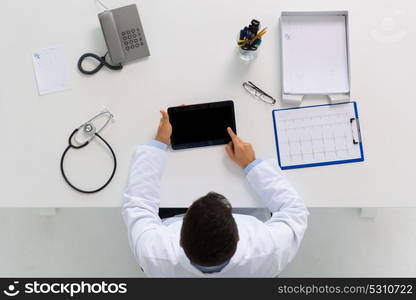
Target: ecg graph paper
x=320, y=134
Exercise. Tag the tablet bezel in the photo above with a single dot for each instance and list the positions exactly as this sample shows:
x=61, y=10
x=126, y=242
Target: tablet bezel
x=228, y=103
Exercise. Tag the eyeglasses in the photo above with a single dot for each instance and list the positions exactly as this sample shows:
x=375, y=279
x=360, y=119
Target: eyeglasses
x=255, y=91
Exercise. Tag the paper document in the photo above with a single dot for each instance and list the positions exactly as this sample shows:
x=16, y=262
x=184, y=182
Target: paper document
x=318, y=135
x=51, y=70
x=315, y=54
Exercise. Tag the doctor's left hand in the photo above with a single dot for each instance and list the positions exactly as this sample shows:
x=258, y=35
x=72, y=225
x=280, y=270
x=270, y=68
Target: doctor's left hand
x=165, y=129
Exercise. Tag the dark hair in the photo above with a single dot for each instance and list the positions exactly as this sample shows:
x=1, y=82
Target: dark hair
x=209, y=233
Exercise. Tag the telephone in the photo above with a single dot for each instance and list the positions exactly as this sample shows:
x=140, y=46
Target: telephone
x=123, y=34
x=124, y=37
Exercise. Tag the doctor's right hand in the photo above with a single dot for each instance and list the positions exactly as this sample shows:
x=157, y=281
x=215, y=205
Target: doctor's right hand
x=239, y=151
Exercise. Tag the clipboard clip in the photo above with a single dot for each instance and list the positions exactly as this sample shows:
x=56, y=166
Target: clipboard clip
x=357, y=122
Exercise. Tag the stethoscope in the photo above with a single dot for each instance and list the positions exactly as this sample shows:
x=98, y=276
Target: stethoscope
x=89, y=129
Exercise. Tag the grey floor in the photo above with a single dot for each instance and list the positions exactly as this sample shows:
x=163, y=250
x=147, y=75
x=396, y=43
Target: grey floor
x=92, y=243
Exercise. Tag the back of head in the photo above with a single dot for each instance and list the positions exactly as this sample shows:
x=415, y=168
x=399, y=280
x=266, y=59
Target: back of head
x=209, y=234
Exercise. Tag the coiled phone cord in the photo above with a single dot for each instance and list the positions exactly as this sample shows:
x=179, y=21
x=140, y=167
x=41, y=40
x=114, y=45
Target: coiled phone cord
x=102, y=63
x=71, y=145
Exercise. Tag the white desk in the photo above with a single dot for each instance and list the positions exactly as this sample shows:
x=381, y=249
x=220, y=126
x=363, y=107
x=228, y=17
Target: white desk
x=193, y=60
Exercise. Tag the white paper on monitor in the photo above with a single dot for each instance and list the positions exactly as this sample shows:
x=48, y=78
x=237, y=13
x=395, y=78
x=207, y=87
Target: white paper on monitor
x=319, y=134
x=51, y=70
x=315, y=54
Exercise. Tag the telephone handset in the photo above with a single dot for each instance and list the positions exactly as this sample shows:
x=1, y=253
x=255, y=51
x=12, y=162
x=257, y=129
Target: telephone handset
x=109, y=27
x=124, y=37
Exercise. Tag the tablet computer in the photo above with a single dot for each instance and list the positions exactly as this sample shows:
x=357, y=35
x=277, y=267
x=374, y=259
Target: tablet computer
x=201, y=125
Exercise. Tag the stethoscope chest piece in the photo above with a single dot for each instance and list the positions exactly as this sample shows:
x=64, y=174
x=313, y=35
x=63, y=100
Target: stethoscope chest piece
x=89, y=128
x=89, y=132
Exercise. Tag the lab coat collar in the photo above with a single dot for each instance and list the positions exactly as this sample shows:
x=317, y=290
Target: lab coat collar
x=234, y=261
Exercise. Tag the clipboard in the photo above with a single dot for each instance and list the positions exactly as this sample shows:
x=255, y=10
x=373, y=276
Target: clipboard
x=318, y=135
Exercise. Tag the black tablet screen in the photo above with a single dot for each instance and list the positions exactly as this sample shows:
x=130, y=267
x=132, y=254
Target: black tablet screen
x=202, y=124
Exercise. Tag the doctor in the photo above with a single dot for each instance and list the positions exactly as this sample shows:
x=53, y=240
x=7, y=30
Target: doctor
x=210, y=241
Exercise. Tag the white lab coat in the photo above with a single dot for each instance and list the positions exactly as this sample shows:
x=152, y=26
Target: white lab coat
x=263, y=250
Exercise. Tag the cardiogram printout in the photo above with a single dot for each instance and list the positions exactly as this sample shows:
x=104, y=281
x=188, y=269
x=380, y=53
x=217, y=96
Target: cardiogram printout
x=318, y=135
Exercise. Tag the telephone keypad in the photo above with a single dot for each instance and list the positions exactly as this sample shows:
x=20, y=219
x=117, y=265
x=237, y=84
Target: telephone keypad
x=132, y=39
